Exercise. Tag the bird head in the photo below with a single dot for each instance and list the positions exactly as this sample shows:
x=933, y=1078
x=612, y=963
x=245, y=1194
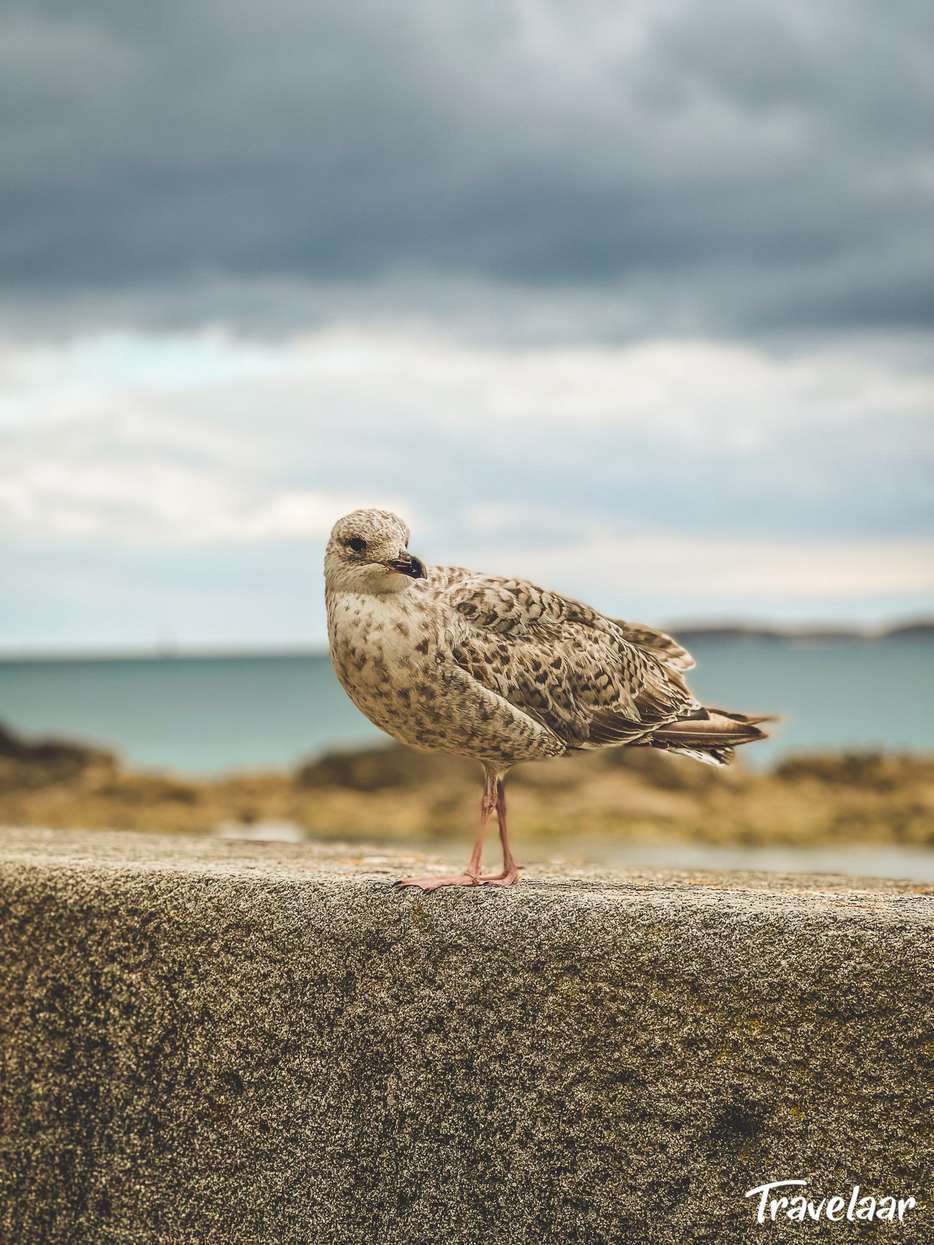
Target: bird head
x=368, y=552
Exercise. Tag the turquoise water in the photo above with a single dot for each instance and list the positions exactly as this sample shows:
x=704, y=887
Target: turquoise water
x=202, y=715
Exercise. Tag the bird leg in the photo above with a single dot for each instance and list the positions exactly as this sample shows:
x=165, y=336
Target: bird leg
x=509, y=875
x=471, y=875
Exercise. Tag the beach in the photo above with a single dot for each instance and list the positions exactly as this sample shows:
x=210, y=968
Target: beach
x=592, y=805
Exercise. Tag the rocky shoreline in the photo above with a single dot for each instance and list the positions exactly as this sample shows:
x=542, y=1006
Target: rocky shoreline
x=395, y=794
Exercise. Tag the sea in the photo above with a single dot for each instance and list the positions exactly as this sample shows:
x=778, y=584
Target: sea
x=208, y=715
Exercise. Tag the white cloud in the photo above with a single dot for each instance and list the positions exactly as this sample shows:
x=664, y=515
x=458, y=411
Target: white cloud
x=708, y=569
x=686, y=473
x=685, y=387
x=158, y=504
x=209, y=434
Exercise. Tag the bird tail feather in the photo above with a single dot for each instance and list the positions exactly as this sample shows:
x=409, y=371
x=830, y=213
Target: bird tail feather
x=710, y=735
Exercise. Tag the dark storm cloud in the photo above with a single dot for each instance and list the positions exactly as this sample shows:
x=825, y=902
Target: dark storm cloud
x=722, y=166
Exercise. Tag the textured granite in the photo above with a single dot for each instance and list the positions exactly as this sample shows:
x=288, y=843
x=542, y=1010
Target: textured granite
x=230, y=1044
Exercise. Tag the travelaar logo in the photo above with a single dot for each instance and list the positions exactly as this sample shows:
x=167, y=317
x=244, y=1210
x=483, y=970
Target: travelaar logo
x=836, y=1208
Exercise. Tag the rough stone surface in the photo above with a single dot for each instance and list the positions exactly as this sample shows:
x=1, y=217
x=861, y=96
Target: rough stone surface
x=228, y=1044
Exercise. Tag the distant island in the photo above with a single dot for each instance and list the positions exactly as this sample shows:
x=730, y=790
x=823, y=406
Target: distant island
x=922, y=629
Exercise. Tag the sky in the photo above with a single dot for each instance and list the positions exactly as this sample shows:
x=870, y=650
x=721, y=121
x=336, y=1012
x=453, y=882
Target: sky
x=635, y=300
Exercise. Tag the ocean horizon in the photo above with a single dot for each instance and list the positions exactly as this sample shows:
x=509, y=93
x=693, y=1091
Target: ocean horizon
x=201, y=714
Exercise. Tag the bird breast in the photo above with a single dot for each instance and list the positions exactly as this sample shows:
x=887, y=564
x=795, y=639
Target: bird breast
x=387, y=657
x=394, y=658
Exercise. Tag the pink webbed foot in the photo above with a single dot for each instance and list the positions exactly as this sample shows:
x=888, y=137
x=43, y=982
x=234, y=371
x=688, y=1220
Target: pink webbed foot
x=433, y=882
x=508, y=877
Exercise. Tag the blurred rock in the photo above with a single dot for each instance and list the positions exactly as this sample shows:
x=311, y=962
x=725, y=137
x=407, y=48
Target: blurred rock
x=383, y=767
x=394, y=793
x=667, y=770
x=34, y=762
x=877, y=771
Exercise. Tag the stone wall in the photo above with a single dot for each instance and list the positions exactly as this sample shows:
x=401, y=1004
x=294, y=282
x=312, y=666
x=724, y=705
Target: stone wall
x=221, y=1044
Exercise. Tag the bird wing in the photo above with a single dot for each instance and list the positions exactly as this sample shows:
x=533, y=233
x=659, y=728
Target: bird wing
x=658, y=642
x=559, y=661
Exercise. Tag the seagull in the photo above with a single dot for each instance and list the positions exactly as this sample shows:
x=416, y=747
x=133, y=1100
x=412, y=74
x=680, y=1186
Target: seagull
x=447, y=660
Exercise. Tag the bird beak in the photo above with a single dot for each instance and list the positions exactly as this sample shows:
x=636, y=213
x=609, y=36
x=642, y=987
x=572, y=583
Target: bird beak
x=407, y=565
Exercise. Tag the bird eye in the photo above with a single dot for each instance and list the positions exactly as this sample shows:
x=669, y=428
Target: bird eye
x=357, y=544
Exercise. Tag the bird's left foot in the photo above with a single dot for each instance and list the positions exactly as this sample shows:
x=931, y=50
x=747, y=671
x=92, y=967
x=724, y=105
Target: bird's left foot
x=433, y=883
x=508, y=877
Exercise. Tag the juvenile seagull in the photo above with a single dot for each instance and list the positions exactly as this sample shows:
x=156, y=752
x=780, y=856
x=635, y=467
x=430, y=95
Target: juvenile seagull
x=497, y=669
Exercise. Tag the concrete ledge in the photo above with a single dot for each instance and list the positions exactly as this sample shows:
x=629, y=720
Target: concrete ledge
x=221, y=1044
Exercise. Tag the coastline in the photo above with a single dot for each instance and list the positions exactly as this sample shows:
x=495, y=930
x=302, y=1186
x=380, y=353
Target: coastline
x=621, y=796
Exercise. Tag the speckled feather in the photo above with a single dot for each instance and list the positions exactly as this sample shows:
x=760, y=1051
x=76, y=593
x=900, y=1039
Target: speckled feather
x=563, y=663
